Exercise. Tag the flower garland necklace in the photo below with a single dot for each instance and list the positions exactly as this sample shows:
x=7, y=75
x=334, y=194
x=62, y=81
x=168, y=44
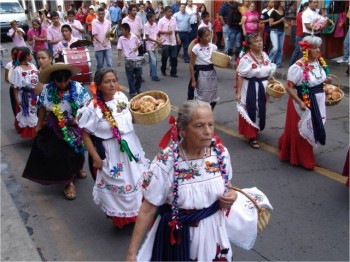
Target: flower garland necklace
x=306, y=76
x=69, y=137
x=219, y=149
x=124, y=147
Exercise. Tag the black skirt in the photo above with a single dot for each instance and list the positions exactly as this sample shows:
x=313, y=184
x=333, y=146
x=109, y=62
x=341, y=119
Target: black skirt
x=52, y=160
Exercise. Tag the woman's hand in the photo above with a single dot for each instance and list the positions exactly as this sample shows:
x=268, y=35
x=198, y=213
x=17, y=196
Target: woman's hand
x=238, y=96
x=328, y=80
x=97, y=163
x=302, y=105
x=130, y=258
x=228, y=199
x=194, y=84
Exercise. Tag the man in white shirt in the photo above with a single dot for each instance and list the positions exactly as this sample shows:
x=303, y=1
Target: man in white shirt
x=193, y=12
x=309, y=17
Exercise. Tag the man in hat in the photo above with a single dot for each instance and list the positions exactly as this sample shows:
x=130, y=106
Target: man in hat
x=102, y=44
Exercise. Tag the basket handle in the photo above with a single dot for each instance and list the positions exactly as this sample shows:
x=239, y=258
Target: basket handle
x=336, y=78
x=248, y=196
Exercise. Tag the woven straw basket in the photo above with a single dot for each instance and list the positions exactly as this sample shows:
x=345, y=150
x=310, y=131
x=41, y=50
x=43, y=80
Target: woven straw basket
x=335, y=102
x=220, y=59
x=274, y=93
x=217, y=58
x=156, y=116
x=264, y=214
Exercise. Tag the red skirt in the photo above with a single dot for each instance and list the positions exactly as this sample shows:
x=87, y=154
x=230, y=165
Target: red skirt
x=26, y=132
x=246, y=129
x=292, y=146
x=120, y=222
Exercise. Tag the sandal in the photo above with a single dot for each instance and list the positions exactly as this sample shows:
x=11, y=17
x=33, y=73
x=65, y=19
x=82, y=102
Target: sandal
x=69, y=192
x=82, y=174
x=254, y=143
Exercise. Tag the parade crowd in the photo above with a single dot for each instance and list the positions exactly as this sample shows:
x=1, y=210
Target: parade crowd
x=187, y=185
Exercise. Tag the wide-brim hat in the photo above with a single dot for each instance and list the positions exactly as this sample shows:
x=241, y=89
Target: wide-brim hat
x=45, y=74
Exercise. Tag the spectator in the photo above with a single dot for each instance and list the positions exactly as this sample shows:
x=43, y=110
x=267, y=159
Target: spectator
x=250, y=21
x=61, y=14
x=81, y=17
x=17, y=34
x=159, y=11
x=277, y=34
x=224, y=15
x=346, y=46
x=193, y=12
x=183, y=23
x=264, y=18
x=205, y=17
x=217, y=26
x=176, y=6
x=90, y=17
x=148, y=7
x=202, y=8
x=107, y=15
x=309, y=16
x=142, y=14
x=115, y=13
x=299, y=35
x=102, y=45
x=245, y=7
x=37, y=37
x=77, y=27
x=235, y=29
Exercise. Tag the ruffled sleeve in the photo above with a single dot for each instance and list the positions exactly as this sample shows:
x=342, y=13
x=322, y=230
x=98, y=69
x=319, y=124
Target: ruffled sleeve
x=16, y=77
x=244, y=67
x=82, y=93
x=295, y=74
x=87, y=118
x=157, y=182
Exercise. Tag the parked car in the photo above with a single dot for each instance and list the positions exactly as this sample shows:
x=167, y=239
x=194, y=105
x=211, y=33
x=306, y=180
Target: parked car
x=11, y=10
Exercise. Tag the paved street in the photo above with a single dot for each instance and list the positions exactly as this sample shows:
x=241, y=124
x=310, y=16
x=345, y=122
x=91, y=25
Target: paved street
x=310, y=221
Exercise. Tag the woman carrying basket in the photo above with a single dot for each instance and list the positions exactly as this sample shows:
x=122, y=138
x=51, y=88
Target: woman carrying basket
x=306, y=111
x=254, y=72
x=116, y=151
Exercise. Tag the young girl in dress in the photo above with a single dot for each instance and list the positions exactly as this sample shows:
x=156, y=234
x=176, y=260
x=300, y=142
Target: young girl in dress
x=8, y=71
x=24, y=79
x=45, y=58
x=203, y=84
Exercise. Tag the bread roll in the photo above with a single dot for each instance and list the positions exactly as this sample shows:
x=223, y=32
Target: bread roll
x=149, y=98
x=136, y=104
x=335, y=95
x=147, y=106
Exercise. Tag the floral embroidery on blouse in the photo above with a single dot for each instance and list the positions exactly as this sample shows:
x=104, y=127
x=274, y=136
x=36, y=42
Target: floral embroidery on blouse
x=211, y=167
x=146, y=179
x=121, y=106
x=124, y=190
x=116, y=171
x=220, y=253
x=163, y=157
x=187, y=174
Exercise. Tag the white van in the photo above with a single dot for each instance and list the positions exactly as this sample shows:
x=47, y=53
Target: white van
x=11, y=10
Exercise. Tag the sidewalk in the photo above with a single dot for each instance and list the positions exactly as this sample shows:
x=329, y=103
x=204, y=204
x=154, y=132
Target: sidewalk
x=16, y=244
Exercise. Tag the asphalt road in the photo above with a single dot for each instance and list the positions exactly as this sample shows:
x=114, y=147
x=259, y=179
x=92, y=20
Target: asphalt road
x=310, y=221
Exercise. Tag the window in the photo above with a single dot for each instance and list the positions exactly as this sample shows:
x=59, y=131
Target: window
x=10, y=8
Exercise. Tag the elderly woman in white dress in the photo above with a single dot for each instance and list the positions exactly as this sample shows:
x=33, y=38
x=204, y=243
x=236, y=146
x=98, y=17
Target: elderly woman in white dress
x=116, y=152
x=306, y=111
x=254, y=72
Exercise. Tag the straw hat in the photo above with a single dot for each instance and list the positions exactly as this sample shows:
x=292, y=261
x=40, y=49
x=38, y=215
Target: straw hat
x=45, y=74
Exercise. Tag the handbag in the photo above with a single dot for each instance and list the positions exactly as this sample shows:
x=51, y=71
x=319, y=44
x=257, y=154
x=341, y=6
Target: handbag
x=264, y=214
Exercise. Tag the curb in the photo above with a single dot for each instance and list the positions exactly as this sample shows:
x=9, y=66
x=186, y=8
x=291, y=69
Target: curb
x=16, y=244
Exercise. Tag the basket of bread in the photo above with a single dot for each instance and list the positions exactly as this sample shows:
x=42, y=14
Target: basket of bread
x=150, y=107
x=275, y=89
x=217, y=58
x=333, y=93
